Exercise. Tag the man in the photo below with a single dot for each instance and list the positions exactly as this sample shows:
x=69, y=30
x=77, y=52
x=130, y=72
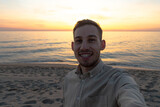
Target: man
x=93, y=84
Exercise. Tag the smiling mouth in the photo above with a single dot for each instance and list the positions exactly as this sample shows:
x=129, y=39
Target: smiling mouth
x=86, y=55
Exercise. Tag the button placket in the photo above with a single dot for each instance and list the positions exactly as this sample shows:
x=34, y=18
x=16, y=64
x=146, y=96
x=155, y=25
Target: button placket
x=80, y=92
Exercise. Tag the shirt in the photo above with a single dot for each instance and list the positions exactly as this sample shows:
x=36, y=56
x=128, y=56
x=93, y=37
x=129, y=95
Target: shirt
x=103, y=86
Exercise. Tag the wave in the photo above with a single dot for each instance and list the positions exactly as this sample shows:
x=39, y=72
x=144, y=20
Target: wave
x=133, y=65
x=12, y=41
x=32, y=51
x=116, y=54
x=31, y=45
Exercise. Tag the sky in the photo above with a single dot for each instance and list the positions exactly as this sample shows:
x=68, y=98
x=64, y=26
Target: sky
x=112, y=15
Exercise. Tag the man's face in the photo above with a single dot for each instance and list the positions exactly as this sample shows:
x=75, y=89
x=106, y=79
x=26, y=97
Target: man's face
x=87, y=45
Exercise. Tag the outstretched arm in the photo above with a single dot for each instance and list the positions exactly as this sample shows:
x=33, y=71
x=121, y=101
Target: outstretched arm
x=128, y=94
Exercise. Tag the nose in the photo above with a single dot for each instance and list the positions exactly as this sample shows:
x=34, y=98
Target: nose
x=84, y=45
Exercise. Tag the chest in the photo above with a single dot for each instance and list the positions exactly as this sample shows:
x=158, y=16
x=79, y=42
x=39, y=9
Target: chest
x=92, y=92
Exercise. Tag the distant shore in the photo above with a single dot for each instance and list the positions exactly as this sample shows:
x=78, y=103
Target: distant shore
x=34, y=85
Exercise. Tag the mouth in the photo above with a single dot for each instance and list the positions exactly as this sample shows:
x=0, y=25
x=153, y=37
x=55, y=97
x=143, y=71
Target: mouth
x=85, y=54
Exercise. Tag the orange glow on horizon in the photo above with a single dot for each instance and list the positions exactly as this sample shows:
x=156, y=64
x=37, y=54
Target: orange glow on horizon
x=62, y=15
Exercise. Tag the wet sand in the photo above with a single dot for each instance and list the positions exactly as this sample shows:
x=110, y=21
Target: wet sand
x=40, y=85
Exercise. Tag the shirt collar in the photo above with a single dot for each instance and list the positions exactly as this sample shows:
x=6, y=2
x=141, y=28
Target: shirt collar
x=90, y=73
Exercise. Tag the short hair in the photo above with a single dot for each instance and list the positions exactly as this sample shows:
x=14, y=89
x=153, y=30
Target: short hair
x=88, y=22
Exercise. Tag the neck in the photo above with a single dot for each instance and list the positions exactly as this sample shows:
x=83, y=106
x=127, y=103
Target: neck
x=86, y=69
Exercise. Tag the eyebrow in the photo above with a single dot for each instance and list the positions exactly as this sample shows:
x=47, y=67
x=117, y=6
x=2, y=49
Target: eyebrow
x=77, y=37
x=92, y=36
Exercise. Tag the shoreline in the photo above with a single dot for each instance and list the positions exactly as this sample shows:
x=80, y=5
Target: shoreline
x=69, y=65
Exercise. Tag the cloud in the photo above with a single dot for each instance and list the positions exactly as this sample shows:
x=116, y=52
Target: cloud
x=11, y=29
x=4, y=22
x=104, y=9
x=64, y=7
x=99, y=17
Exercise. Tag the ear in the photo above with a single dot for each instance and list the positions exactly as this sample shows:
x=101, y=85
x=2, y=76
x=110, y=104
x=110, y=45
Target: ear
x=103, y=44
x=72, y=46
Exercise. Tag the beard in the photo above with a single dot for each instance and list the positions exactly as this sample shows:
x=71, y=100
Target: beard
x=88, y=63
x=92, y=61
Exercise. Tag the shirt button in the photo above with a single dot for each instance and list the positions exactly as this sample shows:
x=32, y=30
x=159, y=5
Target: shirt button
x=78, y=98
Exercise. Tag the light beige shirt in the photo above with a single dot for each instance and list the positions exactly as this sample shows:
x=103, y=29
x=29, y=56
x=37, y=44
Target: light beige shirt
x=103, y=86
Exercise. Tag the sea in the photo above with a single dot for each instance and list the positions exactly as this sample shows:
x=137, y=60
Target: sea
x=126, y=49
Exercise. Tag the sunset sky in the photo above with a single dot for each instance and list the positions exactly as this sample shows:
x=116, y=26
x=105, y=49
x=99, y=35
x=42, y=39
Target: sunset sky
x=63, y=14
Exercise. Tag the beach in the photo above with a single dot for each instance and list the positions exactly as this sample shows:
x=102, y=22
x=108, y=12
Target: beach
x=41, y=85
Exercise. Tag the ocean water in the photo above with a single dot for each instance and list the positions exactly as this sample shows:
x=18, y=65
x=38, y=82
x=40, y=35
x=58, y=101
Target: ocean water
x=130, y=49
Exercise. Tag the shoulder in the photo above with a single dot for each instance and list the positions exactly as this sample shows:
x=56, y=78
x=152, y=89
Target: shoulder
x=71, y=75
x=113, y=72
x=112, y=69
x=119, y=75
x=70, y=79
x=124, y=79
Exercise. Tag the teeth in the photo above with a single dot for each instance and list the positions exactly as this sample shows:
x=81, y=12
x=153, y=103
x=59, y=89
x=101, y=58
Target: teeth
x=85, y=55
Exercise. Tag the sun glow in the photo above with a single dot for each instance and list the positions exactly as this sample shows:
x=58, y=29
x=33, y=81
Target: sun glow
x=63, y=14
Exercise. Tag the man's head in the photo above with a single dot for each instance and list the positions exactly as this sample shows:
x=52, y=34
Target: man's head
x=87, y=43
x=88, y=22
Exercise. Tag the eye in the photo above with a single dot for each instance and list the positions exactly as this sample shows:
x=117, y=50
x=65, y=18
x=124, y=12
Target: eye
x=78, y=41
x=92, y=40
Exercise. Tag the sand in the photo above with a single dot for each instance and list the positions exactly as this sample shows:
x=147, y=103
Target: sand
x=40, y=85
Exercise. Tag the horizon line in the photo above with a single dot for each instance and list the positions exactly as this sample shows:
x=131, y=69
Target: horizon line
x=72, y=30
x=69, y=29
